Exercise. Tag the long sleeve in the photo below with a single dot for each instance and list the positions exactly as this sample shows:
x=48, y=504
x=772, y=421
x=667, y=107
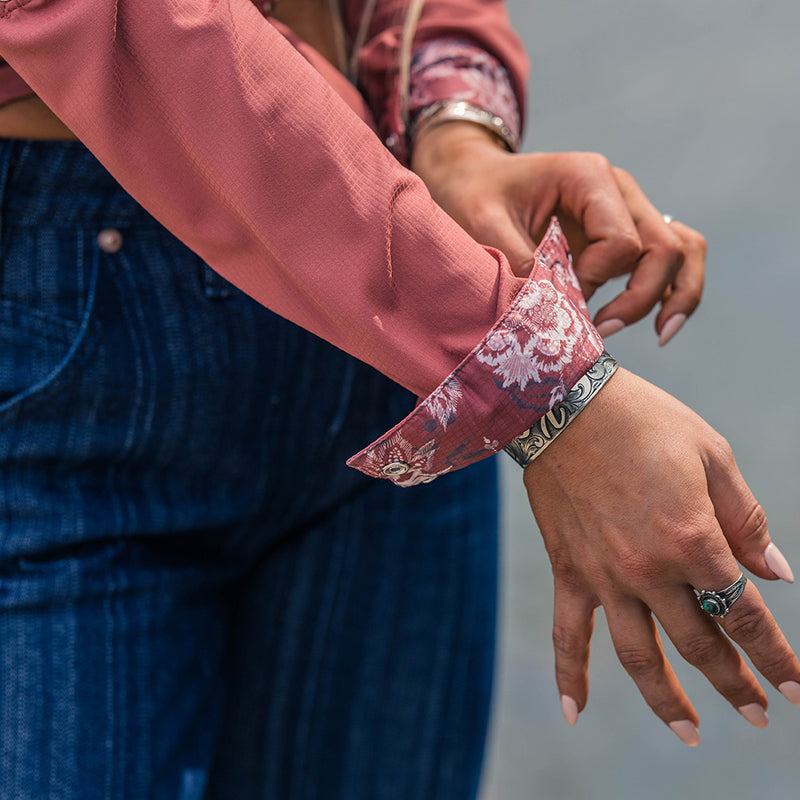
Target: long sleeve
x=458, y=71
x=209, y=118
x=487, y=42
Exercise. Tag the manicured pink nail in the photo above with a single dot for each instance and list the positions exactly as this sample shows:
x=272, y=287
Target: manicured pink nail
x=671, y=327
x=609, y=327
x=755, y=714
x=777, y=562
x=791, y=691
x=569, y=708
x=686, y=731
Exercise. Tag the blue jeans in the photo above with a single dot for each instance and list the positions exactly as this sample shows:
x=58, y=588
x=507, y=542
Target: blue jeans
x=197, y=598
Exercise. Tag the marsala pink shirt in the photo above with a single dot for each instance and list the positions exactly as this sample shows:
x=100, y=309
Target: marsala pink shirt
x=265, y=162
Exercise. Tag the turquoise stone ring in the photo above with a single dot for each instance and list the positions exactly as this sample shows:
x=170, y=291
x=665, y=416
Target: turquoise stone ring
x=718, y=604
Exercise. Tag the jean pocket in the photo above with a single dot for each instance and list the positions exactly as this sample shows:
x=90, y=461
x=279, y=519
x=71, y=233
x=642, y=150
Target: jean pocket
x=44, y=317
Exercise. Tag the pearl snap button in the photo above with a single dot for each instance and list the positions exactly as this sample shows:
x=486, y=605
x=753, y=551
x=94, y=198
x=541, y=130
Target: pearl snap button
x=395, y=468
x=109, y=240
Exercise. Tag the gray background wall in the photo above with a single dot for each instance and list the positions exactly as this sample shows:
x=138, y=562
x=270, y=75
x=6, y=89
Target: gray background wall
x=699, y=100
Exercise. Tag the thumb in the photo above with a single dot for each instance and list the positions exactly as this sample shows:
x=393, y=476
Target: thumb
x=500, y=231
x=743, y=520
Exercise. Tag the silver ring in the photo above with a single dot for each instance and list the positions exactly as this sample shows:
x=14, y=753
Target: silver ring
x=667, y=218
x=718, y=604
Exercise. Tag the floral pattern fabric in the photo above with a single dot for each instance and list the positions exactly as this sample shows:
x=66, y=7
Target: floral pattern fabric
x=458, y=70
x=526, y=364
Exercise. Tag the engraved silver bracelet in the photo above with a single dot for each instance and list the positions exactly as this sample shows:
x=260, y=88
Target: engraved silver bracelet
x=461, y=111
x=533, y=442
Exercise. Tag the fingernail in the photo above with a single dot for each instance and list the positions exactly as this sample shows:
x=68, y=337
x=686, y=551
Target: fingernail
x=791, y=691
x=609, y=327
x=671, y=327
x=777, y=562
x=569, y=708
x=755, y=714
x=686, y=731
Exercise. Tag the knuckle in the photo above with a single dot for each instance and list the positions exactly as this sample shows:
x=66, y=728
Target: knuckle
x=720, y=450
x=623, y=176
x=565, y=575
x=691, y=542
x=783, y=663
x=598, y=162
x=568, y=578
x=640, y=662
x=670, y=250
x=755, y=526
x=746, y=625
x=701, y=652
x=699, y=243
x=483, y=214
x=758, y=520
x=625, y=248
x=642, y=571
x=567, y=644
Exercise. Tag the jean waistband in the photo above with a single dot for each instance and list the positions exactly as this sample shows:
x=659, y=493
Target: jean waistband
x=61, y=184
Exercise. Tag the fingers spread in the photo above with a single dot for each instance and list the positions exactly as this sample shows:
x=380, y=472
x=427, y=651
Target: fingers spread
x=624, y=233
x=640, y=652
x=751, y=625
x=661, y=259
x=701, y=642
x=654, y=272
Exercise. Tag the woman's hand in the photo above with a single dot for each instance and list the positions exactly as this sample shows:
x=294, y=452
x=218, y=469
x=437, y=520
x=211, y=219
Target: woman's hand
x=638, y=501
x=505, y=200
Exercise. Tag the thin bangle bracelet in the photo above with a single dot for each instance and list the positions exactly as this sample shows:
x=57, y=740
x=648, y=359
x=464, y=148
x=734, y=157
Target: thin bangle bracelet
x=461, y=111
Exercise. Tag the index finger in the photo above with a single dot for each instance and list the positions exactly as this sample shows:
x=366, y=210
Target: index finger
x=659, y=264
x=591, y=196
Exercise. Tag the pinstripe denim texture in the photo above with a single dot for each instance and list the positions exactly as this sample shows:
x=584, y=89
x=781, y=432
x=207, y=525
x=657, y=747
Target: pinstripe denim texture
x=197, y=598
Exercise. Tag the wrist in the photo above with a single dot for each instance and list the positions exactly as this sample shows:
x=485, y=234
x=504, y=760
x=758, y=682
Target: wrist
x=447, y=111
x=438, y=152
x=533, y=442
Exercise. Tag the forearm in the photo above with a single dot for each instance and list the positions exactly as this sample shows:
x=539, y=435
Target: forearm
x=284, y=191
x=275, y=183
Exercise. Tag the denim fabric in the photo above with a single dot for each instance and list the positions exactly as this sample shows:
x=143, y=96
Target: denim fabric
x=197, y=598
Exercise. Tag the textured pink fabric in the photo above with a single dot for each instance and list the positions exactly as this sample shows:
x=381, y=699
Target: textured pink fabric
x=483, y=22
x=335, y=79
x=253, y=160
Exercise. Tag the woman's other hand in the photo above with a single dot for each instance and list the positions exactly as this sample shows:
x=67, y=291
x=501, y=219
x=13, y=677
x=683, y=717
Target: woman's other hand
x=638, y=501
x=505, y=200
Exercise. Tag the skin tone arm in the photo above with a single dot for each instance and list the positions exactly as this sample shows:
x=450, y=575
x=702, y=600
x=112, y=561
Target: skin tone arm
x=634, y=512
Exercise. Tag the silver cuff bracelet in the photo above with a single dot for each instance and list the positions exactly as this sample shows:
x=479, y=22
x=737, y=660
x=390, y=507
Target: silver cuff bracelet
x=459, y=110
x=533, y=442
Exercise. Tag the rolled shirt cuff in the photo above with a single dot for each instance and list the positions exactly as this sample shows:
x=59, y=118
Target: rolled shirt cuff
x=526, y=364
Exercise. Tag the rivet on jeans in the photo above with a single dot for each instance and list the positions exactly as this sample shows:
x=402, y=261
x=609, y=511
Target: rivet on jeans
x=109, y=240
